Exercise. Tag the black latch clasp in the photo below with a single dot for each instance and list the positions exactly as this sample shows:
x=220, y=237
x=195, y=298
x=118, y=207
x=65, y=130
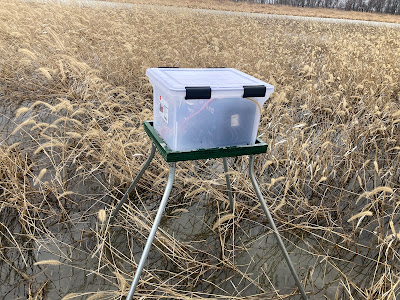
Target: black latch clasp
x=198, y=92
x=254, y=91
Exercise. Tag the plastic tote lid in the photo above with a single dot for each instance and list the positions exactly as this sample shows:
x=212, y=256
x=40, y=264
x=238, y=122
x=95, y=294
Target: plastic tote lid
x=198, y=83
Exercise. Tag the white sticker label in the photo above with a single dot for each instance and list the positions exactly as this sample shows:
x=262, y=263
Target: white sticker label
x=164, y=109
x=235, y=120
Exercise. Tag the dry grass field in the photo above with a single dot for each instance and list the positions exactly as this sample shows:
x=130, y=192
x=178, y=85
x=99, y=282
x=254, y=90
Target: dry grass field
x=271, y=9
x=74, y=95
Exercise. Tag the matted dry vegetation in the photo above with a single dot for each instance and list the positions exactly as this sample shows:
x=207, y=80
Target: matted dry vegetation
x=74, y=95
x=245, y=6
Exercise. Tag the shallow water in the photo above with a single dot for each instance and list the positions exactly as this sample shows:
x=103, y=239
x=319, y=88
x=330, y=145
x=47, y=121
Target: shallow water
x=256, y=254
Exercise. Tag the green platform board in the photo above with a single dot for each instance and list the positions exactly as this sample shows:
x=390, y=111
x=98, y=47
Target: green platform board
x=174, y=156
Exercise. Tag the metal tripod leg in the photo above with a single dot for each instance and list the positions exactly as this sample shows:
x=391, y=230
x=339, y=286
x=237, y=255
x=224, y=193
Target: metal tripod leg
x=133, y=184
x=228, y=185
x=153, y=231
x=272, y=224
